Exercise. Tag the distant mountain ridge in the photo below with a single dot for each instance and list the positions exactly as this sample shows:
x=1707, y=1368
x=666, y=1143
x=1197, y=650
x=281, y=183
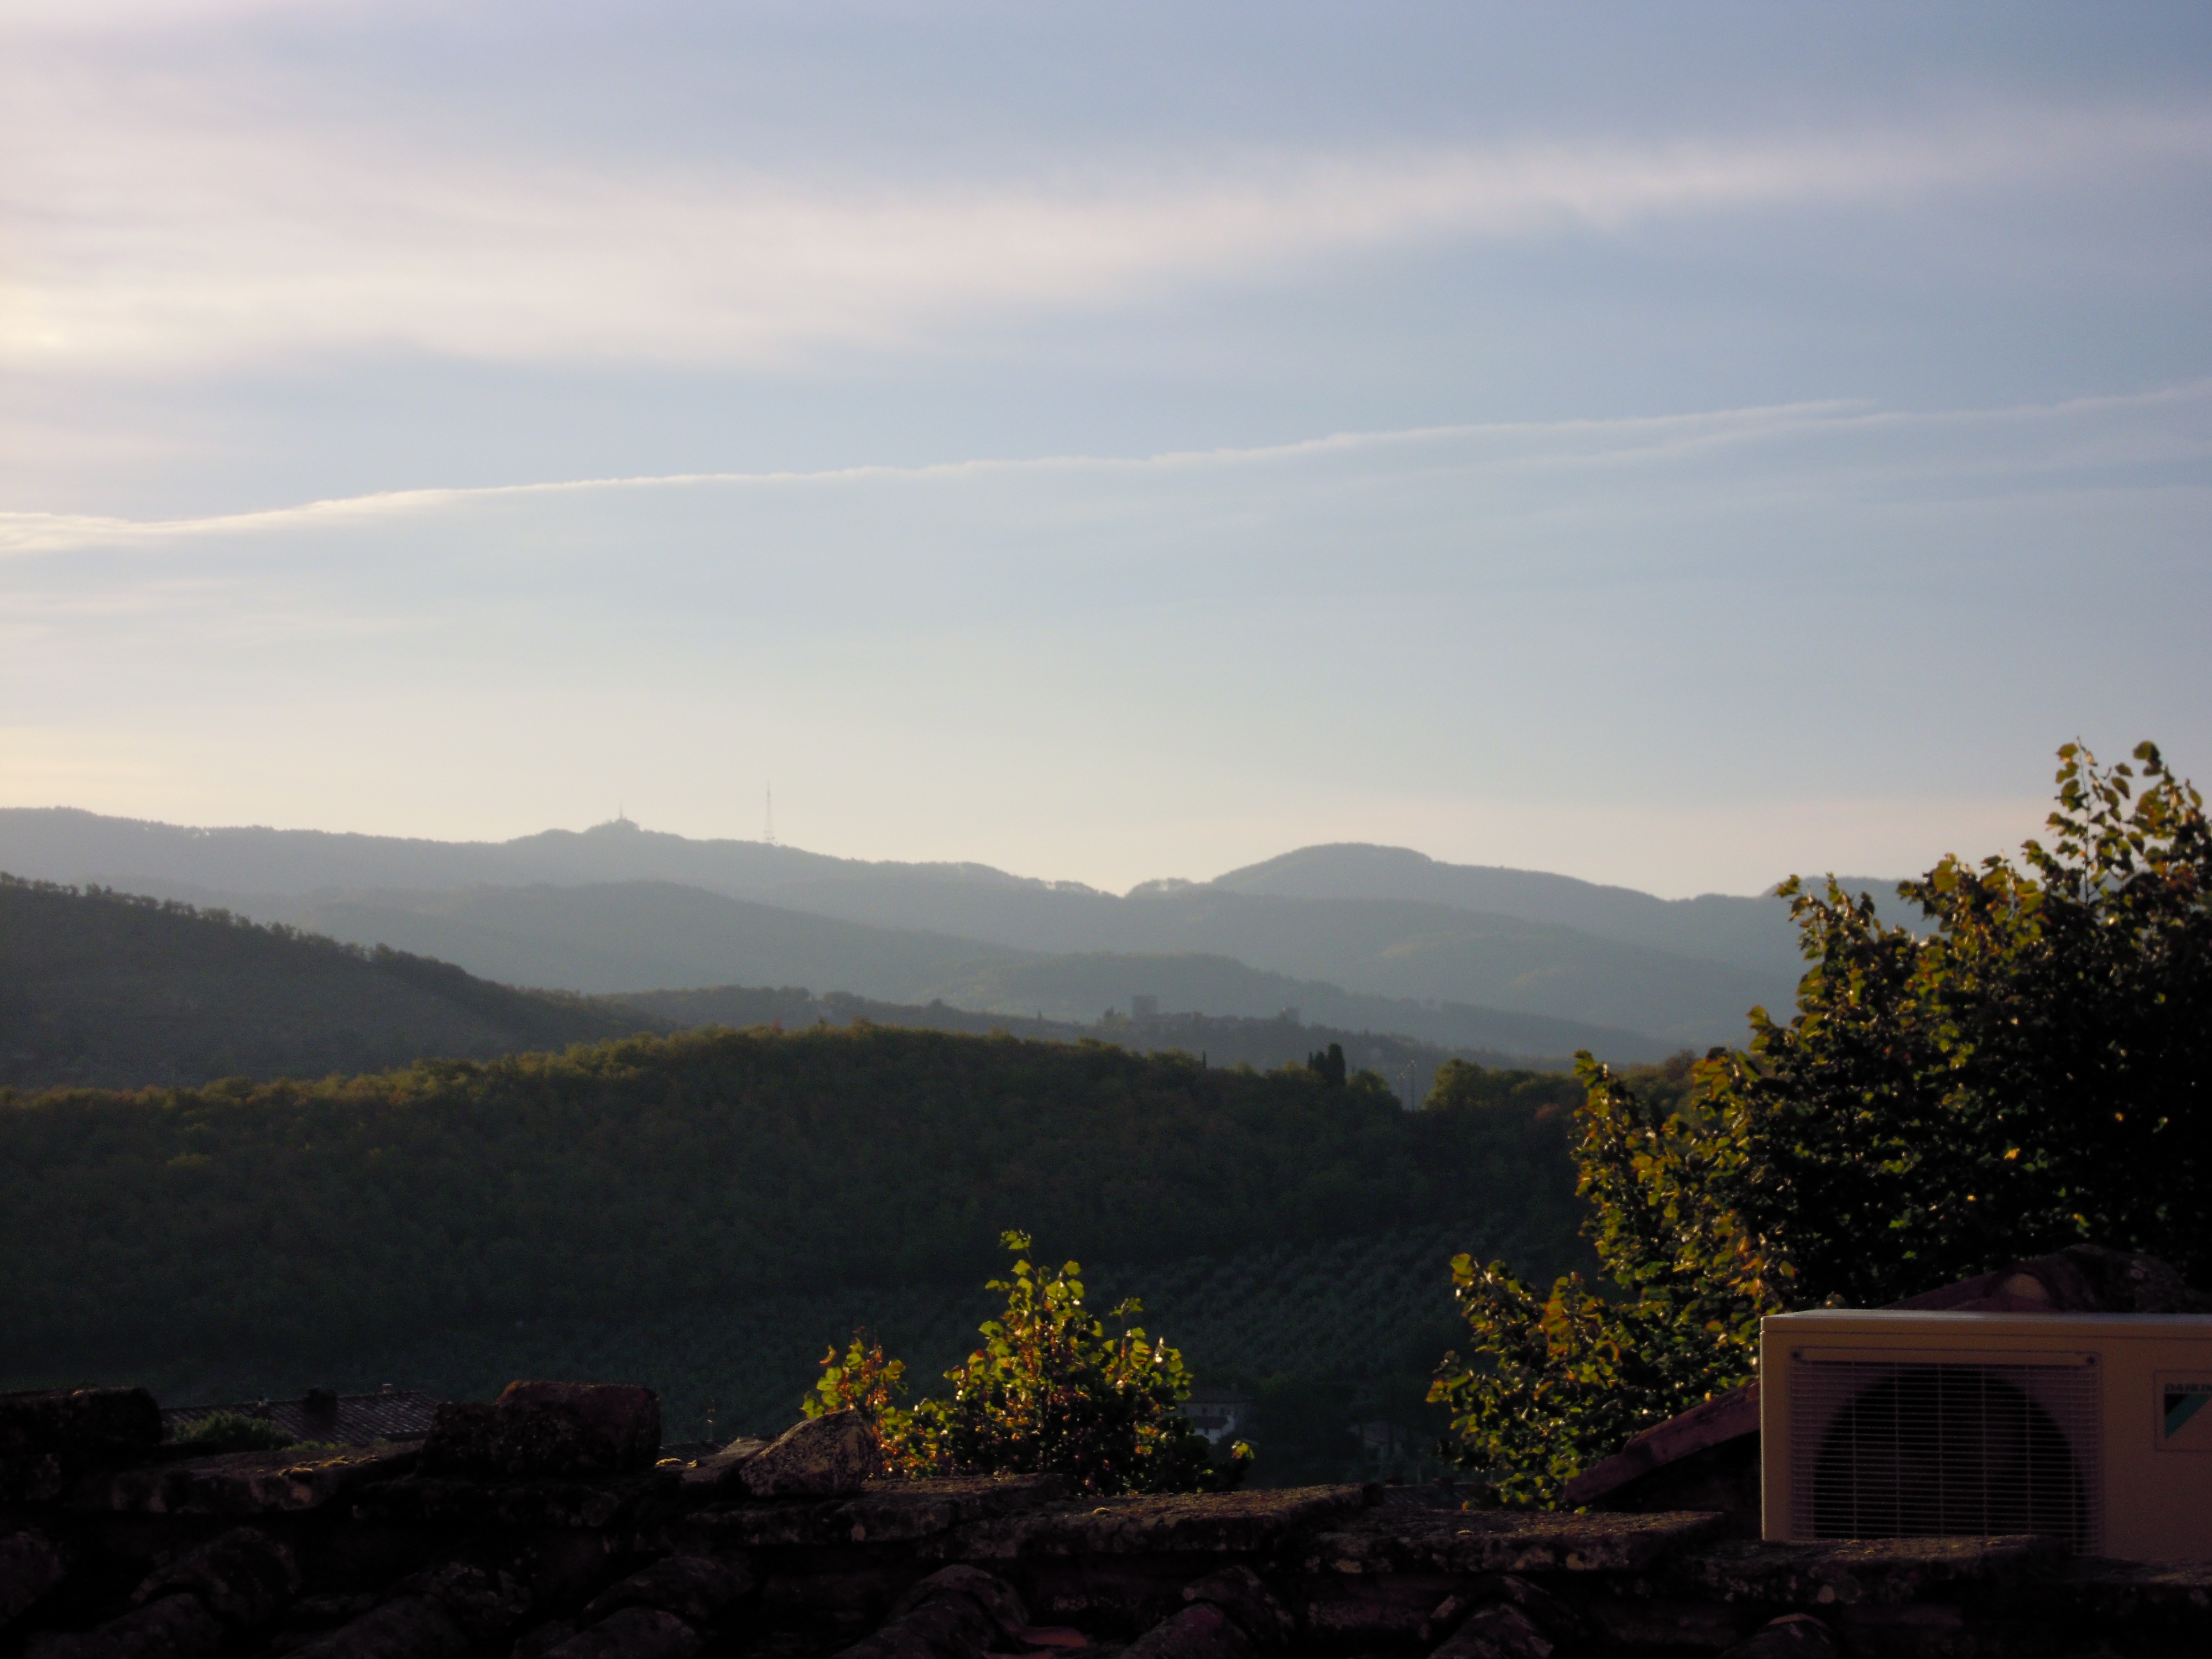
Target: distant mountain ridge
x=103, y=990
x=1748, y=933
x=633, y=937
x=1370, y=921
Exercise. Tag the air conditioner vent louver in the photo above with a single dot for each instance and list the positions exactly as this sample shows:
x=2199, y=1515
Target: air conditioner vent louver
x=1903, y=1423
x=1908, y=1448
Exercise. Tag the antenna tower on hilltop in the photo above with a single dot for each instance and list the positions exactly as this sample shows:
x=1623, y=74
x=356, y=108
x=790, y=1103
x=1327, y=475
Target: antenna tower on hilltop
x=768, y=826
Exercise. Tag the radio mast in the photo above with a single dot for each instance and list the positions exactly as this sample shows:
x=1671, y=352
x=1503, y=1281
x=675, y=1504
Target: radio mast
x=768, y=826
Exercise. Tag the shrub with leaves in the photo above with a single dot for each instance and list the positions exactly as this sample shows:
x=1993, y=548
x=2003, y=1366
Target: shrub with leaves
x=1052, y=1390
x=2029, y=1074
x=229, y=1431
x=862, y=1380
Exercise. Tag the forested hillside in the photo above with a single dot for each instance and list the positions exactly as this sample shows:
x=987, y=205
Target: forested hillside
x=288, y=1221
x=1226, y=1039
x=106, y=989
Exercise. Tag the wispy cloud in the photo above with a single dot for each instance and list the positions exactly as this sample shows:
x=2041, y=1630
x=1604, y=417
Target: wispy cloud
x=162, y=227
x=1487, y=635
x=1839, y=442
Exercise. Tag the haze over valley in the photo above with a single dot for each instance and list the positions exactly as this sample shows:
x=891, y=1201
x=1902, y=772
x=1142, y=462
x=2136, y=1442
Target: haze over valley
x=1357, y=938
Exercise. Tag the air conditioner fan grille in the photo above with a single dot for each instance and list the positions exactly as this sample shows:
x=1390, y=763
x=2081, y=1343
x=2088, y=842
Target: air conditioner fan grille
x=1900, y=1449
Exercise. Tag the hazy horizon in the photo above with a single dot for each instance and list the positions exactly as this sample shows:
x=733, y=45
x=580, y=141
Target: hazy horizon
x=621, y=819
x=1671, y=446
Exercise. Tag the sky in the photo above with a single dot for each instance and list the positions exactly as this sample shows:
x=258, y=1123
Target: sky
x=1674, y=445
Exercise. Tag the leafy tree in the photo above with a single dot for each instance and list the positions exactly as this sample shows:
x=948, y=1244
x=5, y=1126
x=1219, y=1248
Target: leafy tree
x=1050, y=1391
x=2030, y=1073
x=1558, y=1381
x=1548, y=1097
x=1328, y=1064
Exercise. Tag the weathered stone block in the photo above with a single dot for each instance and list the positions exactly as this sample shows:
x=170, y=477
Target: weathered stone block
x=632, y=1633
x=34, y=1480
x=242, y=1483
x=564, y=1568
x=1386, y=1610
x=1238, y=1592
x=1223, y=1523
x=244, y=1576
x=692, y=1587
x=1939, y=1629
x=722, y=1472
x=997, y=1598
x=611, y=1501
x=1445, y=1618
x=1201, y=1630
x=1793, y=1635
x=80, y=1425
x=30, y=1565
x=827, y=1457
x=1875, y=1571
x=174, y=1627
x=832, y=1595
x=329, y=1611
x=439, y=1615
x=542, y=1639
x=464, y=1439
x=2168, y=1602
x=1498, y=1630
x=1637, y=1622
x=948, y=1628
x=483, y=1603
x=887, y=1511
x=406, y=1627
x=565, y=1431
x=1461, y=1543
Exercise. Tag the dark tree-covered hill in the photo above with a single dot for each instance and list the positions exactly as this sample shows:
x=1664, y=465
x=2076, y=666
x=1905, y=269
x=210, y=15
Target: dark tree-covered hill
x=107, y=989
x=290, y=1218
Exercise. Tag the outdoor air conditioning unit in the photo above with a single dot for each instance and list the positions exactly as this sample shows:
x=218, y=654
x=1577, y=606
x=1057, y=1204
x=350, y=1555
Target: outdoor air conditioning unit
x=2093, y=1428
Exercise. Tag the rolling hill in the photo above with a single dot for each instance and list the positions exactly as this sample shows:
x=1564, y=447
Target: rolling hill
x=1750, y=933
x=105, y=990
x=1374, y=922
x=108, y=990
x=292, y=1219
x=1408, y=1063
x=630, y=936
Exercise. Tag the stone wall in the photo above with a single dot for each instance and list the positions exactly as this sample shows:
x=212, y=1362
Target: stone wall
x=550, y=1525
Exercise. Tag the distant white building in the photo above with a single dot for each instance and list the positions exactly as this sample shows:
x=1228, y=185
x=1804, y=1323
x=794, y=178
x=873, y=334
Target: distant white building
x=1219, y=1417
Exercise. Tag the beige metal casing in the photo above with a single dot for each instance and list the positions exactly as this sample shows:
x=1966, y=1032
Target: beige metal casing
x=2145, y=1450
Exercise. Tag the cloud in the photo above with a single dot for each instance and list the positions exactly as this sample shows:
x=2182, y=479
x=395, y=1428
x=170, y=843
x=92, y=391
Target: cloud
x=1769, y=632
x=151, y=223
x=1782, y=450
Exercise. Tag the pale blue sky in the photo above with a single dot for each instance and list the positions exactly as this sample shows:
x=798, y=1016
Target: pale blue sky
x=1674, y=445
